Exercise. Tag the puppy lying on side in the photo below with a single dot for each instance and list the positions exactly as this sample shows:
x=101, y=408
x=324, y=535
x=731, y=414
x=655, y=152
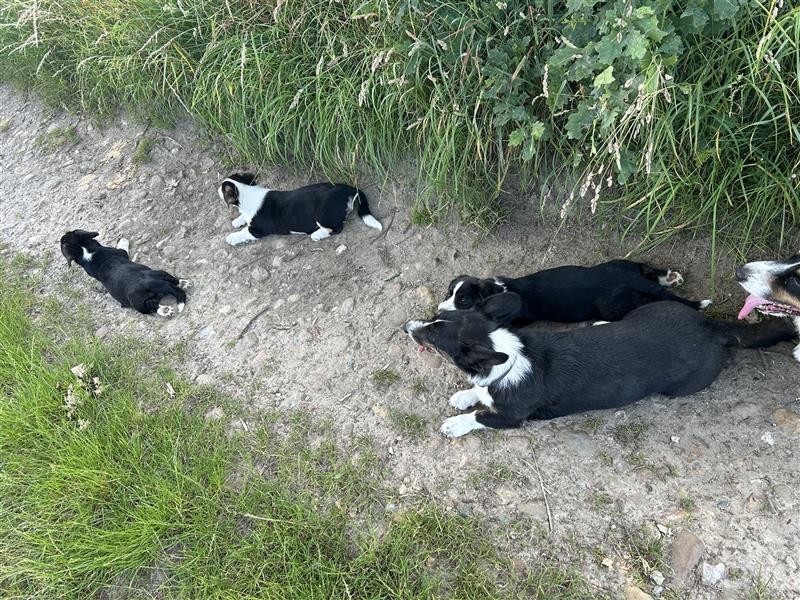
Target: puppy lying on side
x=131, y=284
x=319, y=209
x=774, y=287
x=661, y=348
x=572, y=294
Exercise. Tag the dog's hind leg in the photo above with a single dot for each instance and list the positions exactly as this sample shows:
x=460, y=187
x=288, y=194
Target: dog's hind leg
x=124, y=244
x=321, y=233
x=664, y=277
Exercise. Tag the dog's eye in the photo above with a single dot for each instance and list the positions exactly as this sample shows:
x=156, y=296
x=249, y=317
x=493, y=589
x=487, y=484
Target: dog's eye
x=462, y=301
x=793, y=284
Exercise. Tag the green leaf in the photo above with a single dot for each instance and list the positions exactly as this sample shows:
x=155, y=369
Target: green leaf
x=578, y=121
x=725, y=9
x=537, y=130
x=636, y=45
x=605, y=78
x=517, y=137
x=696, y=17
x=608, y=50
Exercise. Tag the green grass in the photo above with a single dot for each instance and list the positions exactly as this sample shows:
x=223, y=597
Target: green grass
x=111, y=484
x=687, y=504
x=143, y=149
x=56, y=138
x=5, y=125
x=409, y=425
x=455, y=95
x=385, y=377
x=630, y=434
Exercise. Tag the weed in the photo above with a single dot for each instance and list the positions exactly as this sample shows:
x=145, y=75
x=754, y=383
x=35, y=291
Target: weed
x=761, y=590
x=601, y=500
x=493, y=472
x=629, y=434
x=592, y=424
x=385, y=377
x=418, y=387
x=408, y=424
x=142, y=153
x=605, y=458
x=647, y=552
x=638, y=460
x=687, y=504
x=56, y=138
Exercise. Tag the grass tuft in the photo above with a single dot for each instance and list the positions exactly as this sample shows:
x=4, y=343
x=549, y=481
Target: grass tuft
x=56, y=138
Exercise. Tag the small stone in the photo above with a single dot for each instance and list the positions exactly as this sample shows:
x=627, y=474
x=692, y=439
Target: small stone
x=634, y=593
x=464, y=509
x=403, y=489
x=293, y=298
x=425, y=296
x=101, y=332
x=607, y=562
x=768, y=438
x=787, y=420
x=215, y=414
x=259, y=359
x=657, y=577
x=713, y=574
x=277, y=261
x=259, y=274
x=379, y=410
x=204, y=379
x=279, y=303
x=687, y=550
x=506, y=495
x=431, y=360
x=348, y=305
x=341, y=249
x=207, y=332
x=675, y=439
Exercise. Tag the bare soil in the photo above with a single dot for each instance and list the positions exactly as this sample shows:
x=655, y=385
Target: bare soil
x=722, y=464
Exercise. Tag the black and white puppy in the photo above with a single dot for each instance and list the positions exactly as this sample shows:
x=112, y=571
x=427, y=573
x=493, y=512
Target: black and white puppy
x=571, y=294
x=774, y=288
x=660, y=348
x=131, y=284
x=319, y=209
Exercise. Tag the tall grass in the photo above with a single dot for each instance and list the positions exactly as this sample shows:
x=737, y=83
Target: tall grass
x=459, y=91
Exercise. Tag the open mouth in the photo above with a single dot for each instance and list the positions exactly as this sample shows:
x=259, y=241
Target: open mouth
x=767, y=307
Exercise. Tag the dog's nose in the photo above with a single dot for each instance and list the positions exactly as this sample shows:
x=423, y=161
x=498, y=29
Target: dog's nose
x=405, y=326
x=741, y=274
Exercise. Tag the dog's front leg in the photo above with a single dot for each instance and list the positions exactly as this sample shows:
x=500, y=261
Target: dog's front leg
x=469, y=398
x=239, y=221
x=240, y=237
x=480, y=419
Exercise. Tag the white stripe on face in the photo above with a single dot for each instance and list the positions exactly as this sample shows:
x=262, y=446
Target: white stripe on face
x=760, y=276
x=450, y=303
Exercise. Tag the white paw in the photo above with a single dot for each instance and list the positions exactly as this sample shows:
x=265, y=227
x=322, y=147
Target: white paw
x=671, y=279
x=463, y=400
x=165, y=311
x=704, y=304
x=238, y=222
x=460, y=425
x=796, y=353
x=184, y=284
x=239, y=237
x=320, y=234
x=600, y=323
x=123, y=244
x=181, y=306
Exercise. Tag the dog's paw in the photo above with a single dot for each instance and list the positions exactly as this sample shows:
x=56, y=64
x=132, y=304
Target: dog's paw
x=238, y=222
x=596, y=323
x=796, y=353
x=671, y=279
x=181, y=306
x=235, y=239
x=165, y=311
x=320, y=234
x=704, y=304
x=123, y=244
x=184, y=284
x=460, y=425
x=463, y=400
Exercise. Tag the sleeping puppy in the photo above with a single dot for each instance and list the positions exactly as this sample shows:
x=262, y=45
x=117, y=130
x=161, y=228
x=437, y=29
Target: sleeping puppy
x=571, y=294
x=774, y=287
x=131, y=284
x=319, y=209
x=660, y=348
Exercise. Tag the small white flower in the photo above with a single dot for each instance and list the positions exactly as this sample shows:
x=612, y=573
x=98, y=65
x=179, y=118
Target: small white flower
x=362, y=95
x=501, y=5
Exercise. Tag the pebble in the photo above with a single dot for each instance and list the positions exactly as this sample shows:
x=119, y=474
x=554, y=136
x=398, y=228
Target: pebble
x=293, y=298
x=215, y=414
x=277, y=261
x=396, y=317
x=431, y=360
x=687, y=550
x=259, y=274
x=207, y=332
x=259, y=359
x=768, y=438
x=425, y=296
x=341, y=249
x=101, y=332
x=204, y=379
x=657, y=577
x=713, y=574
x=634, y=593
x=787, y=420
x=348, y=305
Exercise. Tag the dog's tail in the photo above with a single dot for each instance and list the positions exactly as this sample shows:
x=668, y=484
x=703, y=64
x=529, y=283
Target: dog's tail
x=362, y=208
x=760, y=335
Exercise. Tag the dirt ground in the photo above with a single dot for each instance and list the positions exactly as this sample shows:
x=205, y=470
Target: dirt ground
x=722, y=464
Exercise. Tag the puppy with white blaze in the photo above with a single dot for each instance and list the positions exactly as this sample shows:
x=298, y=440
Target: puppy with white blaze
x=133, y=285
x=319, y=209
x=774, y=287
x=517, y=374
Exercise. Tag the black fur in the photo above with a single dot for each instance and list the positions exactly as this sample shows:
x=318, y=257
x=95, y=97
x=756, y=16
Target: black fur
x=661, y=348
x=131, y=284
x=571, y=294
x=303, y=210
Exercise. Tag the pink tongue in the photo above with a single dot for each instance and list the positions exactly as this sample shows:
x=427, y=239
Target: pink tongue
x=422, y=348
x=749, y=304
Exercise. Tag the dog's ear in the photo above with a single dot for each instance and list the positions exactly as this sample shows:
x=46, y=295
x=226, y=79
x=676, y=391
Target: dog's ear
x=476, y=357
x=229, y=193
x=245, y=178
x=503, y=308
x=83, y=234
x=70, y=247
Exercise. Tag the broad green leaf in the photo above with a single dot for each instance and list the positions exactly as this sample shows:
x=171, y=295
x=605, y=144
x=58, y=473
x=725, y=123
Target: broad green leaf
x=725, y=9
x=636, y=45
x=517, y=137
x=605, y=78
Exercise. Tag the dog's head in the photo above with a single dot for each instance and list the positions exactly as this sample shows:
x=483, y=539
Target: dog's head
x=774, y=287
x=465, y=337
x=469, y=293
x=229, y=188
x=74, y=242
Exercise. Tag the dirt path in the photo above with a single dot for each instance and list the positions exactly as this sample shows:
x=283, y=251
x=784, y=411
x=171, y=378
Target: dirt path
x=722, y=464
